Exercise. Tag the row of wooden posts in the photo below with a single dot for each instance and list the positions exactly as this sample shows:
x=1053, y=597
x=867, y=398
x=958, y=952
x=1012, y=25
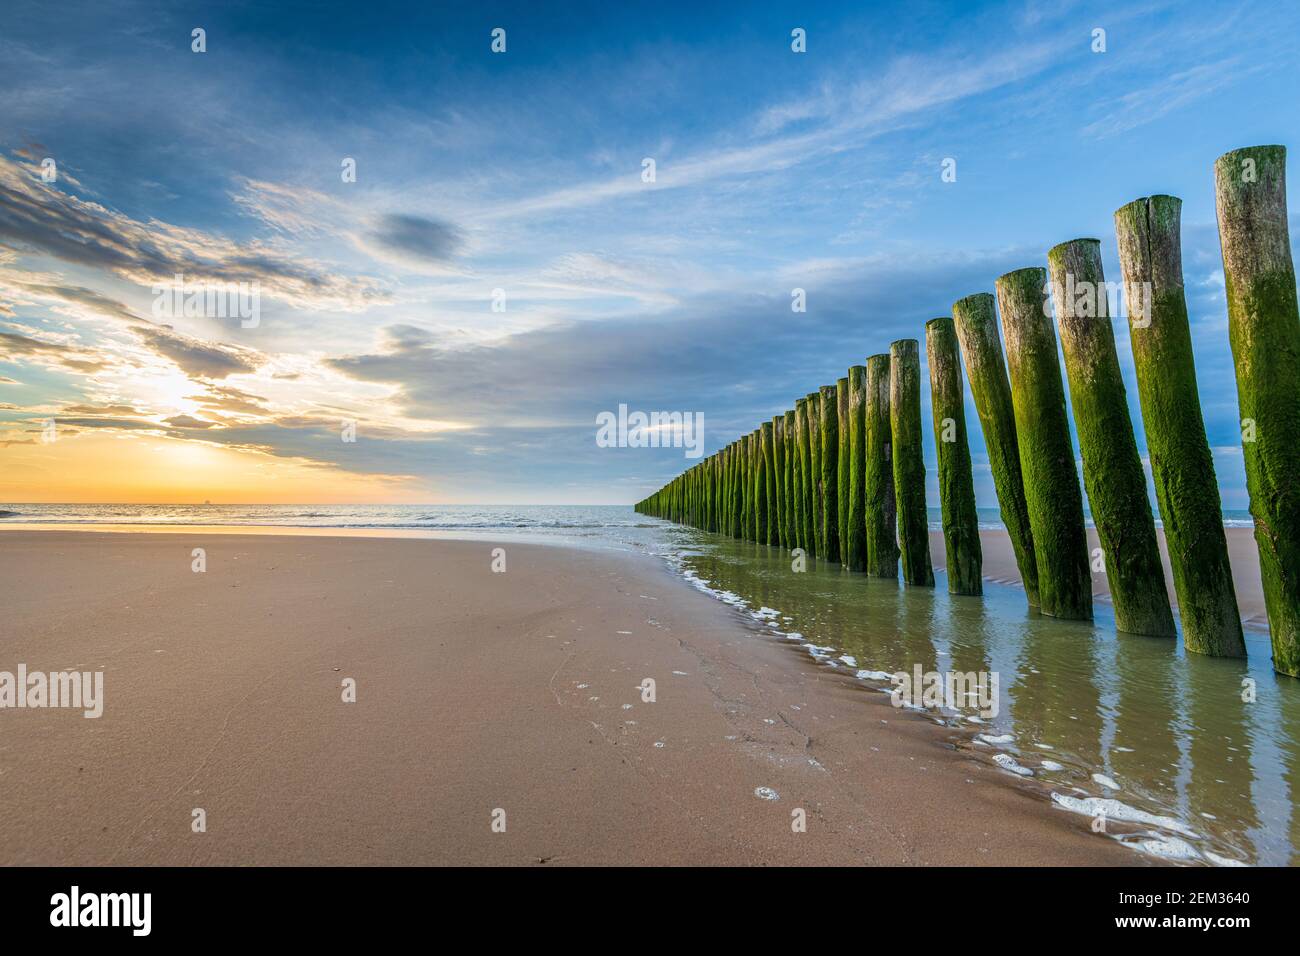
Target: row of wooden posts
x=841, y=475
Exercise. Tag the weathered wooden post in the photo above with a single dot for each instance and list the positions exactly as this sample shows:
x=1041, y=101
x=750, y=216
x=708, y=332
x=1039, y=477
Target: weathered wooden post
x=909, y=462
x=842, y=466
x=771, y=535
x=755, y=487
x=1187, y=491
x=1046, y=451
x=737, y=490
x=791, y=485
x=828, y=429
x=812, y=422
x=746, y=482
x=803, y=520
x=976, y=323
x=760, y=489
x=961, y=529
x=1264, y=329
x=855, y=540
x=1112, y=467
x=882, y=536
x=778, y=489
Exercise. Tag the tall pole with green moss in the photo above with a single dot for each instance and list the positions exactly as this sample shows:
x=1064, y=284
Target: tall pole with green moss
x=1112, y=467
x=1264, y=329
x=770, y=536
x=803, y=520
x=789, y=433
x=855, y=540
x=961, y=530
x=812, y=422
x=1046, y=451
x=1187, y=491
x=738, y=488
x=829, y=436
x=909, y=462
x=842, y=466
x=882, y=534
x=778, y=464
x=976, y=322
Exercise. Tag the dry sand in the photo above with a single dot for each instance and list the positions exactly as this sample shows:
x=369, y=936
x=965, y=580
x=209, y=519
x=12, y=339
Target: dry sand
x=475, y=691
x=1243, y=554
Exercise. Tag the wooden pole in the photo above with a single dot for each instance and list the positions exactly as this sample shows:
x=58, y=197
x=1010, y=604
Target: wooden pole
x=1046, y=451
x=856, y=521
x=1187, y=491
x=803, y=520
x=812, y=421
x=975, y=319
x=882, y=536
x=769, y=487
x=789, y=433
x=961, y=531
x=1264, y=329
x=828, y=429
x=778, y=477
x=1112, y=467
x=842, y=467
x=909, y=461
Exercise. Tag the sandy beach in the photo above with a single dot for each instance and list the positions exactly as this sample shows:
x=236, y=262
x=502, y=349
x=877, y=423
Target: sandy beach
x=475, y=691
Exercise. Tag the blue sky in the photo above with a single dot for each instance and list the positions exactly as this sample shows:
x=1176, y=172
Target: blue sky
x=521, y=171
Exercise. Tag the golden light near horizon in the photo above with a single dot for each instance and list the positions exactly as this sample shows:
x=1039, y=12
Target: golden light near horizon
x=153, y=469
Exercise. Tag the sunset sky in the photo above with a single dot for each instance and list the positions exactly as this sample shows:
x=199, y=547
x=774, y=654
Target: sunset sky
x=522, y=171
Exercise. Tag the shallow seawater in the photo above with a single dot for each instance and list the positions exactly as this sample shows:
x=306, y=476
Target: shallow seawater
x=1161, y=741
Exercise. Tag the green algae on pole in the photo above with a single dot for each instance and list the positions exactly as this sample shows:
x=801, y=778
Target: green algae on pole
x=909, y=463
x=801, y=464
x=778, y=486
x=976, y=323
x=1112, y=467
x=756, y=485
x=961, y=531
x=878, y=474
x=842, y=467
x=791, y=452
x=829, y=439
x=769, y=488
x=855, y=540
x=736, y=494
x=1187, y=491
x=1264, y=330
x=812, y=421
x=1046, y=452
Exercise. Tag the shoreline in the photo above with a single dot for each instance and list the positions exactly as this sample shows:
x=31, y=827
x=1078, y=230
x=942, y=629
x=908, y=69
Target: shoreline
x=519, y=691
x=999, y=567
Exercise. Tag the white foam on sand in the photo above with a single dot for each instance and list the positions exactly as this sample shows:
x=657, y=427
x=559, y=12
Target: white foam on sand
x=1115, y=810
x=1008, y=762
x=1102, y=780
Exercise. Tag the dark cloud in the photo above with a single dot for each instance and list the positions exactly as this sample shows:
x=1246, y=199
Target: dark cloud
x=200, y=359
x=37, y=216
x=13, y=345
x=111, y=410
x=188, y=421
x=133, y=424
x=416, y=238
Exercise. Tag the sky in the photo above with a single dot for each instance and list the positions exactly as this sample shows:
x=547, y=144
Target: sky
x=500, y=271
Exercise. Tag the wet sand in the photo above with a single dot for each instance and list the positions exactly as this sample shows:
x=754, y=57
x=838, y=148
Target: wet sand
x=1243, y=554
x=475, y=691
